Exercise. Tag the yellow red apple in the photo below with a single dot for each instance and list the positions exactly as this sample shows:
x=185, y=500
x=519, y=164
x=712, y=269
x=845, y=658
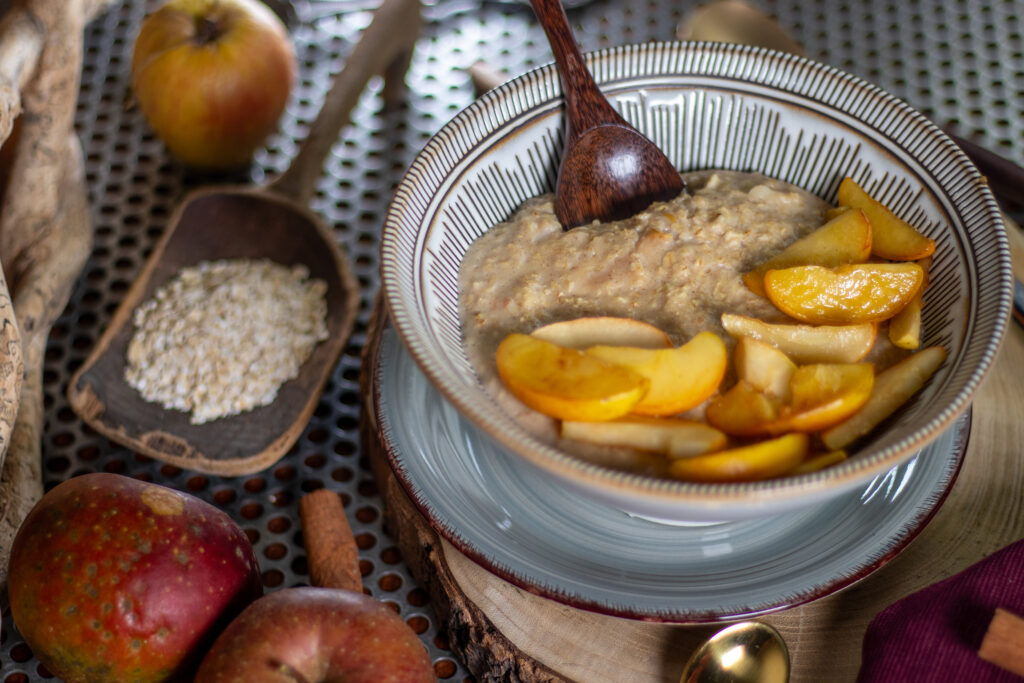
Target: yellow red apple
x=212, y=78
x=317, y=635
x=115, y=579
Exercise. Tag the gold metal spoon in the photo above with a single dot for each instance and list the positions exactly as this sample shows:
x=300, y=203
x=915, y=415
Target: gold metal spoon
x=747, y=652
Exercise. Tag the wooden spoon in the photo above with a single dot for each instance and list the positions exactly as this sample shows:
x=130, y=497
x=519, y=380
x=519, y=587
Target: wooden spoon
x=272, y=222
x=609, y=170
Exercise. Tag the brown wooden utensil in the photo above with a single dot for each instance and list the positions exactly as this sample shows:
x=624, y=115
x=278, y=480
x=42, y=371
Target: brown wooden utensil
x=272, y=222
x=609, y=170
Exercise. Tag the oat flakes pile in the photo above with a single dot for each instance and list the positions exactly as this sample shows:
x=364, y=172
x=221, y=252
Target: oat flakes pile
x=223, y=336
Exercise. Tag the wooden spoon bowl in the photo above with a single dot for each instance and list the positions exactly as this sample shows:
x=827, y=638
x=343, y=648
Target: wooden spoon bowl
x=272, y=222
x=609, y=170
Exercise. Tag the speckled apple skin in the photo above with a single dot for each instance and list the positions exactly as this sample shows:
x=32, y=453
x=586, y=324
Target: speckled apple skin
x=317, y=635
x=115, y=579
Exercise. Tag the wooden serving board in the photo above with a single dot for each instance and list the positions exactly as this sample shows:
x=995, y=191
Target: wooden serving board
x=503, y=633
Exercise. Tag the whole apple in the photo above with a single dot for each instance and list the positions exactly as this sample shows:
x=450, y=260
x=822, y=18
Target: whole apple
x=212, y=77
x=317, y=635
x=115, y=579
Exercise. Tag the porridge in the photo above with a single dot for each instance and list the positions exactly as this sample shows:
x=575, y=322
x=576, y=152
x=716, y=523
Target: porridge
x=678, y=265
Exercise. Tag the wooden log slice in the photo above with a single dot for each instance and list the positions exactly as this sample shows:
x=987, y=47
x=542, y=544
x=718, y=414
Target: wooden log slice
x=503, y=633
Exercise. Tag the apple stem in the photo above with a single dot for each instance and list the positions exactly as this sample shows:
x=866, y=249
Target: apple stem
x=288, y=670
x=207, y=30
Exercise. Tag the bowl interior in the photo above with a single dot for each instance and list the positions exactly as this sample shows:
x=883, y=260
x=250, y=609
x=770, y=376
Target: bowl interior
x=706, y=106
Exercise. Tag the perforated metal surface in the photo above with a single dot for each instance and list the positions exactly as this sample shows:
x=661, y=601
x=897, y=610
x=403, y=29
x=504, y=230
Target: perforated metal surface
x=959, y=61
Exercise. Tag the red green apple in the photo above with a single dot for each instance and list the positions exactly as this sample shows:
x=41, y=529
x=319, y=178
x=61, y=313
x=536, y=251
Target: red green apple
x=212, y=77
x=317, y=635
x=115, y=579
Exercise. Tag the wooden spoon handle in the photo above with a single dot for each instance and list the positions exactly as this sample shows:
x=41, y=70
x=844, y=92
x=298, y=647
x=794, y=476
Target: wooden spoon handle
x=585, y=106
x=388, y=40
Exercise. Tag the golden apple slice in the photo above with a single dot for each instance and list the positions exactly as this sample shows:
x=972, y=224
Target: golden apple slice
x=844, y=239
x=905, y=326
x=762, y=460
x=807, y=343
x=679, y=378
x=836, y=211
x=819, y=462
x=845, y=295
x=673, y=436
x=892, y=237
x=743, y=411
x=566, y=383
x=763, y=366
x=893, y=387
x=823, y=395
x=580, y=333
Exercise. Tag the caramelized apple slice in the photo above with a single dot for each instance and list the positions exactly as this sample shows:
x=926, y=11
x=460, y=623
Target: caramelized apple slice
x=844, y=295
x=905, y=326
x=744, y=411
x=824, y=395
x=892, y=237
x=672, y=436
x=566, y=383
x=836, y=211
x=819, y=462
x=807, y=343
x=893, y=387
x=678, y=378
x=580, y=333
x=762, y=460
x=844, y=239
x=762, y=365
x=821, y=396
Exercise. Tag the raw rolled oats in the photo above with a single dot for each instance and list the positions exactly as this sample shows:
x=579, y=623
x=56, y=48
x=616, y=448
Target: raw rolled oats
x=222, y=337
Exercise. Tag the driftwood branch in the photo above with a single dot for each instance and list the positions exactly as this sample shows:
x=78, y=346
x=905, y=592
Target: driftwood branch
x=21, y=42
x=51, y=267
x=48, y=108
x=45, y=227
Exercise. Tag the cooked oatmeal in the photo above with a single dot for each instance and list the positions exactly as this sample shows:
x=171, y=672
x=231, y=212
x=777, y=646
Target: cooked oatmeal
x=677, y=265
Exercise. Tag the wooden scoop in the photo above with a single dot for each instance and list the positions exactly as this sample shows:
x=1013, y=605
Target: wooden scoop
x=609, y=170
x=247, y=222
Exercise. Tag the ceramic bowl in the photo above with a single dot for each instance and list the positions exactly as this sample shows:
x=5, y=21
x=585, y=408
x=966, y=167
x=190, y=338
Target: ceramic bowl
x=706, y=105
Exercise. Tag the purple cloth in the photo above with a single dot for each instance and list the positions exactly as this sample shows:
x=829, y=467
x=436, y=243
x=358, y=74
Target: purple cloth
x=934, y=634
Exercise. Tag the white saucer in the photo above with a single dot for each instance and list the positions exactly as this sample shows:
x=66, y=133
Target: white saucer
x=525, y=527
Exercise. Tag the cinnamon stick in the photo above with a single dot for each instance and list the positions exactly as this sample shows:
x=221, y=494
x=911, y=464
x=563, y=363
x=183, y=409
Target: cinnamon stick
x=330, y=545
x=1003, y=644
